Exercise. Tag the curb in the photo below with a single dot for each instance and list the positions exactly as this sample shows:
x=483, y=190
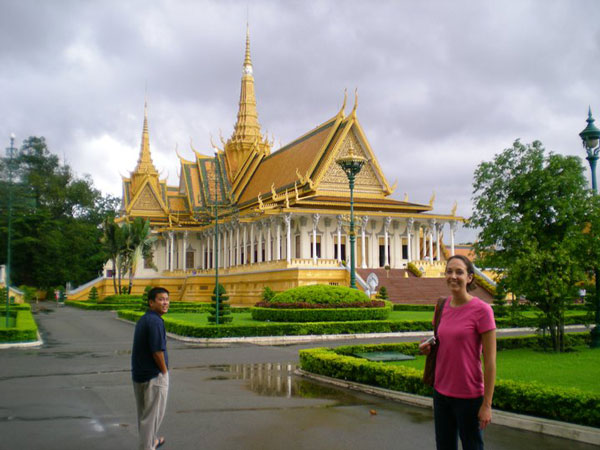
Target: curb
x=565, y=430
x=27, y=344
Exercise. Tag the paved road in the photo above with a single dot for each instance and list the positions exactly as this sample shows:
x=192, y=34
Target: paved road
x=75, y=393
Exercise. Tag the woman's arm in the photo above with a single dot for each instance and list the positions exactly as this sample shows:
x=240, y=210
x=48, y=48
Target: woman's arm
x=488, y=340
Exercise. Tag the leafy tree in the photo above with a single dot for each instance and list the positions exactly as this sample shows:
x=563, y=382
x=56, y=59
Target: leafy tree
x=56, y=218
x=137, y=246
x=383, y=293
x=224, y=309
x=532, y=209
x=113, y=243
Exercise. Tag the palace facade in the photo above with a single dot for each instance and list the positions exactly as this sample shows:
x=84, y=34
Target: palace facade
x=283, y=216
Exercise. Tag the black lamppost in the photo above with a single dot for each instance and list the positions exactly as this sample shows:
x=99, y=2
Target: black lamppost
x=590, y=137
x=10, y=151
x=352, y=164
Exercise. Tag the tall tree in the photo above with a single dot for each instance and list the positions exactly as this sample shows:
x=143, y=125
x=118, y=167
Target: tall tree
x=532, y=209
x=56, y=220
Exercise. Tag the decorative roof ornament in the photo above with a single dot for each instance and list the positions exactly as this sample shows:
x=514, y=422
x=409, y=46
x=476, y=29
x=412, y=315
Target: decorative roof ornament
x=145, y=164
x=432, y=199
x=453, y=211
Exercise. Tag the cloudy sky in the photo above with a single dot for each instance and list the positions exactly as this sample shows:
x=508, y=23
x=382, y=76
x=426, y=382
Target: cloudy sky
x=443, y=85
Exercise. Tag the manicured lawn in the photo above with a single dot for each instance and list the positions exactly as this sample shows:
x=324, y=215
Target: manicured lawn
x=202, y=318
x=579, y=369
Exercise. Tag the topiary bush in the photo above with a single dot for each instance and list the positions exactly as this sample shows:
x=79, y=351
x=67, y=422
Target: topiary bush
x=382, y=294
x=93, y=295
x=267, y=294
x=224, y=309
x=320, y=294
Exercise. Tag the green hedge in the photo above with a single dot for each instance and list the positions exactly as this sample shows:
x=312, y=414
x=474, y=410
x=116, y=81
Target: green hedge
x=293, y=329
x=563, y=404
x=282, y=329
x=406, y=307
x=320, y=294
x=25, y=328
x=320, y=315
x=121, y=298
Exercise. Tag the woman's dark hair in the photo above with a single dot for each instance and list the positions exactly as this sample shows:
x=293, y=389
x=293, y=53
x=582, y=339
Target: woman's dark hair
x=154, y=292
x=470, y=269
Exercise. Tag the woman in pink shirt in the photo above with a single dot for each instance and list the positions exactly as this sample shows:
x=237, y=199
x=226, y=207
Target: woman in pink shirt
x=462, y=397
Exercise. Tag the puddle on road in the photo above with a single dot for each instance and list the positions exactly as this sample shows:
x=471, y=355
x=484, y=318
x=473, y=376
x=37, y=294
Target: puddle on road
x=279, y=380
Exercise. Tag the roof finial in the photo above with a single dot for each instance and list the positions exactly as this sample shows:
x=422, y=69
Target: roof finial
x=247, y=60
x=355, y=101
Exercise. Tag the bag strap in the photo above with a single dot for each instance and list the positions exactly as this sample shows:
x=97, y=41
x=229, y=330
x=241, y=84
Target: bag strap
x=438, y=314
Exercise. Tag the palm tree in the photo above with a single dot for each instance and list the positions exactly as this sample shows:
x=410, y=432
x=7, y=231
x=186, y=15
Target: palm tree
x=113, y=241
x=138, y=246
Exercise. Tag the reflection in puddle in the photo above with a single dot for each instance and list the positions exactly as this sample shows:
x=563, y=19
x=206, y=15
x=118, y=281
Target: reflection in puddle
x=278, y=380
x=271, y=379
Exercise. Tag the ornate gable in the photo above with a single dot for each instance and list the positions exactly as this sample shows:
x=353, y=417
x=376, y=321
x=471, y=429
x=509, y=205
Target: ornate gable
x=332, y=179
x=146, y=202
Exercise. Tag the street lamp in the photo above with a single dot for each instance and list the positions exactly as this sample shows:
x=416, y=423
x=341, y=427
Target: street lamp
x=351, y=164
x=10, y=151
x=590, y=137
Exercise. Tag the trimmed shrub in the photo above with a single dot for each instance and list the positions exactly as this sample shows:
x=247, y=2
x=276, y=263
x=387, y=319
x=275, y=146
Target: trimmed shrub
x=563, y=404
x=405, y=307
x=25, y=328
x=224, y=309
x=267, y=294
x=321, y=294
x=382, y=294
x=121, y=298
x=93, y=295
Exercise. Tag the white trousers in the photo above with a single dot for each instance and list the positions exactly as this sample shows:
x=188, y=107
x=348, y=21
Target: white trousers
x=151, y=402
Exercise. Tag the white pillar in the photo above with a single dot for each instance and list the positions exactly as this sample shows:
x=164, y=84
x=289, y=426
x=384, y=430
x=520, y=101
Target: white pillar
x=260, y=243
x=238, y=250
x=418, y=239
x=184, y=245
x=315, y=218
x=430, y=232
x=386, y=252
x=278, y=240
x=339, y=238
x=268, y=242
x=365, y=220
x=288, y=238
x=245, y=243
x=252, y=244
x=171, y=239
x=438, y=228
x=452, y=231
x=409, y=227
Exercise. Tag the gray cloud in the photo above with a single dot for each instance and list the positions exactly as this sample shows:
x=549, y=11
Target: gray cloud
x=442, y=85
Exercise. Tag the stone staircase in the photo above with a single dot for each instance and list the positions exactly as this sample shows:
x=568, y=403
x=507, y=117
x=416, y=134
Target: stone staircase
x=404, y=287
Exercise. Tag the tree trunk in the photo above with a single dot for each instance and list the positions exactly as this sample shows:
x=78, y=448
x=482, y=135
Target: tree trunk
x=114, y=274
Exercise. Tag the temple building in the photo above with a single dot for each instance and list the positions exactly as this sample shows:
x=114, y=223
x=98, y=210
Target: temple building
x=283, y=216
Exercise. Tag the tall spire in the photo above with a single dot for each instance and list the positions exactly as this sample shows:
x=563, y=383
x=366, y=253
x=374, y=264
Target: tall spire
x=246, y=138
x=145, y=164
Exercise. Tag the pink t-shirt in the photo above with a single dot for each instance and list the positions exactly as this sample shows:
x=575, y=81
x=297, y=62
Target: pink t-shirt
x=458, y=366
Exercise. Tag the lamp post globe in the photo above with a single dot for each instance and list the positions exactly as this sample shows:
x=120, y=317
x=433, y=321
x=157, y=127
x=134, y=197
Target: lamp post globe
x=352, y=164
x=590, y=138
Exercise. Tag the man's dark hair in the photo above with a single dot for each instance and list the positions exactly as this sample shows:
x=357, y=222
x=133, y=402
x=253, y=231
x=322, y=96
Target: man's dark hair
x=154, y=292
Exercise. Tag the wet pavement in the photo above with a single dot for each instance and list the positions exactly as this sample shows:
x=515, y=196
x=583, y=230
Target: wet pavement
x=75, y=393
